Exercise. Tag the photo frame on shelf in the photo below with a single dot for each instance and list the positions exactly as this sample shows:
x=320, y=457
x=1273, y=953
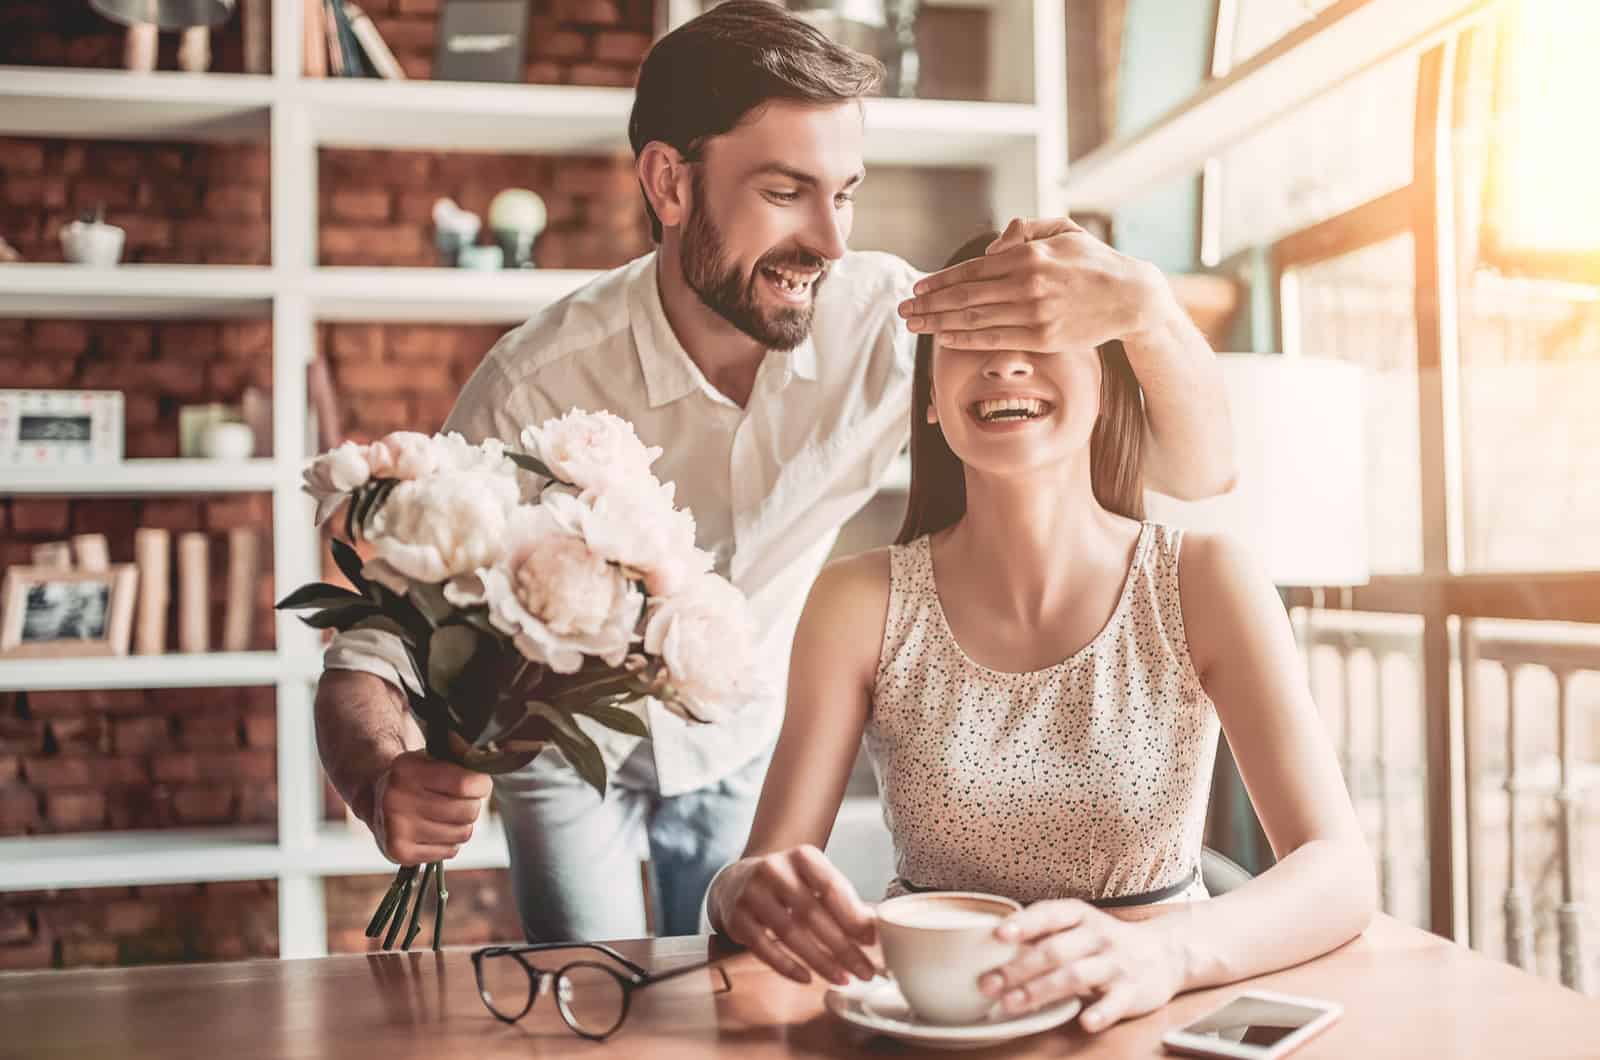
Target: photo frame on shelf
x=40, y=428
x=50, y=613
x=481, y=40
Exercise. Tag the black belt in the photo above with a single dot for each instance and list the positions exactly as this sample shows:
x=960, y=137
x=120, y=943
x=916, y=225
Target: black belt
x=1160, y=894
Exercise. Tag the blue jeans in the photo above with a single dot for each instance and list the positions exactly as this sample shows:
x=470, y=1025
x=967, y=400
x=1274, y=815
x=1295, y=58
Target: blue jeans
x=575, y=856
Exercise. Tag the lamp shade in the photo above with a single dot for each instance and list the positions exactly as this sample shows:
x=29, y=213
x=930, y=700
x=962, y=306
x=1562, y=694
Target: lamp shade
x=168, y=14
x=1299, y=504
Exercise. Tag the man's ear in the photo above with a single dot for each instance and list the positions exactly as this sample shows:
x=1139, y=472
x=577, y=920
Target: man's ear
x=664, y=176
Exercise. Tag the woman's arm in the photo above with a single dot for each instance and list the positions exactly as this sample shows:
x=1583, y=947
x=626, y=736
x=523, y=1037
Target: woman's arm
x=1322, y=891
x=783, y=899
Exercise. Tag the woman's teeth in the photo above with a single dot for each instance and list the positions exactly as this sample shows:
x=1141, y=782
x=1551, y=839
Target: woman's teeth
x=1011, y=409
x=790, y=280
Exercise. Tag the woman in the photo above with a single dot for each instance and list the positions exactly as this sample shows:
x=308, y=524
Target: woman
x=1040, y=683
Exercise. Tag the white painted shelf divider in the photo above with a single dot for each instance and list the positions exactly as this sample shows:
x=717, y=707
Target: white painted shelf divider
x=1021, y=145
x=154, y=476
x=173, y=670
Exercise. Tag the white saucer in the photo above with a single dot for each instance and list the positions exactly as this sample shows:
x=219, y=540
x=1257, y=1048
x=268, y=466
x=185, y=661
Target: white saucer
x=878, y=1006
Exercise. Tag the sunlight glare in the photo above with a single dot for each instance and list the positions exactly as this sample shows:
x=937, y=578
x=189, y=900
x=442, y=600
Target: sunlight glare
x=1549, y=161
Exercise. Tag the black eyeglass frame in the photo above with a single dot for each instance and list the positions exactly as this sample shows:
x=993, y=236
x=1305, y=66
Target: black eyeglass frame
x=637, y=978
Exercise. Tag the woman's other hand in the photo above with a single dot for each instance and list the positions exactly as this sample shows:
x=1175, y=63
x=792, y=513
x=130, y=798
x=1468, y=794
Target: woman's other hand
x=1071, y=949
x=795, y=911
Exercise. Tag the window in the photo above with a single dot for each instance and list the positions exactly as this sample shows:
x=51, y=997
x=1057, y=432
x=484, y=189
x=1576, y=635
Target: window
x=1349, y=146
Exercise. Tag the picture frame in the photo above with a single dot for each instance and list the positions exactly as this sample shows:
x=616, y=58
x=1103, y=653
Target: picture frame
x=46, y=613
x=481, y=40
x=47, y=428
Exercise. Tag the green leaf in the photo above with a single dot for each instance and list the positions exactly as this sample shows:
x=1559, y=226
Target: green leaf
x=532, y=463
x=449, y=651
x=576, y=745
x=340, y=618
x=430, y=602
x=316, y=594
x=612, y=682
x=349, y=561
x=616, y=718
x=384, y=624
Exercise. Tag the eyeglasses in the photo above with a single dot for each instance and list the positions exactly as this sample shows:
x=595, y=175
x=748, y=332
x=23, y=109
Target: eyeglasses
x=592, y=998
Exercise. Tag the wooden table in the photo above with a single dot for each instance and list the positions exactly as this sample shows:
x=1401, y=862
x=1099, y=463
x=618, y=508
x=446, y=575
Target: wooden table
x=1406, y=994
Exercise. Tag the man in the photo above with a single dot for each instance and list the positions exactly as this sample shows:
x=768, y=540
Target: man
x=771, y=366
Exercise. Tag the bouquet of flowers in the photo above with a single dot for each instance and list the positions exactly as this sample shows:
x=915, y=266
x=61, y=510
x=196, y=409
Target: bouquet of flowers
x=528, y=589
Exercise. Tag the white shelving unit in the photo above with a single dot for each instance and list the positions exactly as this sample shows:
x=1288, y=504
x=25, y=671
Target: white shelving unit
x=1022, y=144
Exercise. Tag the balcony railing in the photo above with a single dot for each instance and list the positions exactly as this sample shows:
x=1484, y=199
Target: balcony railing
x=1538, y=788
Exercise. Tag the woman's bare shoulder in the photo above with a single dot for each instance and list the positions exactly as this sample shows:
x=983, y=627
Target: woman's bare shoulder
x=854, y=589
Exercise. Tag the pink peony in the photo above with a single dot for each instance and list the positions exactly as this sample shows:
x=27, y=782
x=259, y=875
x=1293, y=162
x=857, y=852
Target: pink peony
x=403, y=455
x=703, y=635
x=435, y=529
x=594, y=451
x=639, y=528
x=557, y=599
x=330, y=477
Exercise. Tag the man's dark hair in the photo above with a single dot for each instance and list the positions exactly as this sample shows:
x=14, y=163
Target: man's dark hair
x=705, y=77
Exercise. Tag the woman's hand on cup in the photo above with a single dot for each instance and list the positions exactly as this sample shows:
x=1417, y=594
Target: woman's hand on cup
x=798, y=913
x=1071, y=949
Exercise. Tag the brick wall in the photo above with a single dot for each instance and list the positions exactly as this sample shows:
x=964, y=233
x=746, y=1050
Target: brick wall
x=109, y=760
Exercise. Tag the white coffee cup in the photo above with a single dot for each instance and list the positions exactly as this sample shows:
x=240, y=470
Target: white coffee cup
x=937, y=945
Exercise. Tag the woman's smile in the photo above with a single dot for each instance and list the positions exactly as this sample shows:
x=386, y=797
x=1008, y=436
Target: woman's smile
x=1006, y=414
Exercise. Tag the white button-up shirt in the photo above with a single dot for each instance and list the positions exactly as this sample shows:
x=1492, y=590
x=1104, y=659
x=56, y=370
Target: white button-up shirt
x=769, y=484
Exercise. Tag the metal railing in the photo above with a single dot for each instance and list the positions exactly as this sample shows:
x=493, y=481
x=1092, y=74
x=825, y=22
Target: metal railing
x=1371, y=774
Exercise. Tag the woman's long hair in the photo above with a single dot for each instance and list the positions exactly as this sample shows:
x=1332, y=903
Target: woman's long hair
x=938, y=496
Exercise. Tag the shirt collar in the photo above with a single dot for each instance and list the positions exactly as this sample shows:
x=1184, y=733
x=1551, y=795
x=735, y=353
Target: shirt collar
x=669, y=372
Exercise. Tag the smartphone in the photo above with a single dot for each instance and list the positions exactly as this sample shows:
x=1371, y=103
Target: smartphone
x=1254, y=1026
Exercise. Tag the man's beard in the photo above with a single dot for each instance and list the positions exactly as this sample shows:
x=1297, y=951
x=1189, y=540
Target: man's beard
x=726, y=292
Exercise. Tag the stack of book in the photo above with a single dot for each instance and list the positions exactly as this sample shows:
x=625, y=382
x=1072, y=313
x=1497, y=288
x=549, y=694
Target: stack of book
x=341, y=41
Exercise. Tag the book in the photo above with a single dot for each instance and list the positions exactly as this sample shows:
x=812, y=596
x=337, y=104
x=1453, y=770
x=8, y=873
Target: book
x=316, y=49
x=330, y=33
x=355, y=64
x=378, y=55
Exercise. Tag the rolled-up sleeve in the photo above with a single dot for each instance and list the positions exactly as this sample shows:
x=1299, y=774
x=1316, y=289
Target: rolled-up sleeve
x=489, y=407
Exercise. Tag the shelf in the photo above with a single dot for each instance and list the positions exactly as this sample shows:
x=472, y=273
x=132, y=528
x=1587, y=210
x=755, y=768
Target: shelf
x=450, y=116
x=135, y=291
x=124, y=859
x=443, y=295
x=173, y=670
x=463, y=116
x=934, y=132
x=116, y=105
x=350, y=850
x=138, y=477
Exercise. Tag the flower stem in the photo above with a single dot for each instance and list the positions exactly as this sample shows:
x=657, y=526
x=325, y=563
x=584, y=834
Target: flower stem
x=416, y=910
x=400, y=907
x=380, y=916
x=442, y=896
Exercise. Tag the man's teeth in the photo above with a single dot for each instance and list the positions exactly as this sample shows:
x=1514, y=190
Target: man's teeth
x=790, y=280
x=1011, y=409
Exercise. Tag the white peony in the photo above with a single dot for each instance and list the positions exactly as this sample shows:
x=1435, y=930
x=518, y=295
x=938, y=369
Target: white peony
x=404, y=455
x=703, y=634
x=330, y=477
x=595, y=451
x=557, y=599
x=434, y=529
x=639, y=528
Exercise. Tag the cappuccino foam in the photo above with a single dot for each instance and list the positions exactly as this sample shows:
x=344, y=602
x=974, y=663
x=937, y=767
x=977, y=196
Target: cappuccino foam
x=936, y=917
